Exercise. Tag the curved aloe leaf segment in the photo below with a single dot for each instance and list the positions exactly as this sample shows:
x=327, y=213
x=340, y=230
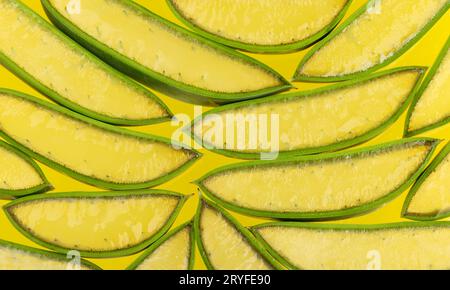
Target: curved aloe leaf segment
x=174, y=251
x=224, y=244
x=268, y=26
x=19, y=174
x=401, y=246
x=429, y=199
x=374, y=36
x=162, y=54
x=88, y=150
x=323, y=186
x=18, y=257
x=67, y=73
x=321, y=120
x=97, y=224
x=431, y=107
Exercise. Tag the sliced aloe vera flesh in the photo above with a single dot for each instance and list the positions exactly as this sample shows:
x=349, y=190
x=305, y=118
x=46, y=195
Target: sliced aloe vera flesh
x=19, y=175
x=161, y=53
x=261, y=26
x=226, y=245
x=429, y=199
x=404, y=246
x=100, y=225
x=372, y=37
x=326, y=119
x=328, y=186
x=174, y=251
x=69, y=74
x=80, y=147
x=18, y=257
x=432, y=106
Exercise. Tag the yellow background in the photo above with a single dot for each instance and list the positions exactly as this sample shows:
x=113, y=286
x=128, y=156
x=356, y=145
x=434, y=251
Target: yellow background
x=424, y=53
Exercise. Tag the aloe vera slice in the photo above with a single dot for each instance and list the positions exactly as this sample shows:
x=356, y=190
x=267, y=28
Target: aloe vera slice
x=401, y=246
x=162, y=54
x=268, y=26
x=19, y=174
x=431, y=107
x=18, y=257
x=323, y=186
x=325, y=119
x=225, y=244
x=429, y=199
x=374, y=36
x=174, y=251
x=98, y=224
x=59, y=68
x=87, y=150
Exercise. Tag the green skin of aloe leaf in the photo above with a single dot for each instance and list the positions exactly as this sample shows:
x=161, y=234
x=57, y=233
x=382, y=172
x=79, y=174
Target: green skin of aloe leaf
x=45, y=254
x=246, y=235
x=316, y=92
x=325, y=215
x=83, y=195
x=429, y=78
x=412, y=193
x=88, y=179
x=41, y=188
x=305, y=78
x=45, y=90
x=272, y=49
x=339, y=227
x=149, y=251
x=182, y=91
